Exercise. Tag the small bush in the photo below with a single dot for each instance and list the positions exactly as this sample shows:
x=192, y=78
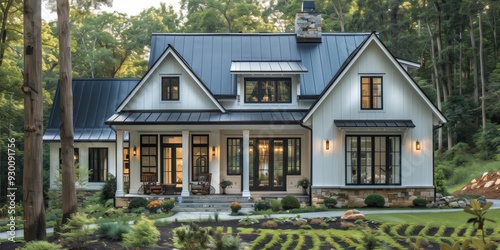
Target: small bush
x=275, y=205
x=247, y=221
x=289, y=202
x=138, y=202
x=306, y=227
x=419, y=202
x=40, y=245
x=76, y=233
x=113, y=231
x=109, y=189
x=375, y=200
x=235, y=207
x=299, y=223
x=316, y=221
x=144, y=234
x=168, y=205
x=330, y=202
x=261, y=206
x=191, y=237
x=153, y=206
x=270, y=224
x=226, y=241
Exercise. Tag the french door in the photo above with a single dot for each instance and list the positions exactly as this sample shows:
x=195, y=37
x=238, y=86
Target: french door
x=267, y=172
x=171, y=163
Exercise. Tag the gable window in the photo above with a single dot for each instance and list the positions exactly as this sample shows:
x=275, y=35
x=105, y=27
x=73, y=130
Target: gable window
x=170, y=88
x=271, y=90
x=98, y=164
x=371, y=92
x=200, y=155
x=373, y=160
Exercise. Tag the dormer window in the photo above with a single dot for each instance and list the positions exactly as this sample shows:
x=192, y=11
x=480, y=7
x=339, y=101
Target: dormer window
x=170, y=88
x=371, y=92
x=268, y=90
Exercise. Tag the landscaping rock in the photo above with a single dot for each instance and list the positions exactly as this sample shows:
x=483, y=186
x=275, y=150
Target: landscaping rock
x=487, y=185
x=353, y=215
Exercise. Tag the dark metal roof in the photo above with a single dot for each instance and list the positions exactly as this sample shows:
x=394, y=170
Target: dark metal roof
x=374, y=123
x=207, y=117
x=267, y=67
x=210, y=55
x=94, y=100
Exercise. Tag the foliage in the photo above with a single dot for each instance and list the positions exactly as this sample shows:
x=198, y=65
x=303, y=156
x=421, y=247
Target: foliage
x=303, y=182
x=290, y=202
x=248, y=221
x=488, y=142
x=225, y=241
x=419, y=202
x=154, y=205
x=40, y=245
x=275, y=205
x=109, y=189
x=113, y=231
x=330, y=202
x=269, y=224
x=235, y=207
x=143, y=234
x=191, y=237
x=261, y=206
x=76, y=232
x=375, y=200
x=138, y=202
x=168, y=205
x=225, y=183
x=440, y=182
x=479, y=216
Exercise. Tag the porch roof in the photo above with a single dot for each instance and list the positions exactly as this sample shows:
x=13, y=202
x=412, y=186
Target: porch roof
x=374, y=123
x=207, y=117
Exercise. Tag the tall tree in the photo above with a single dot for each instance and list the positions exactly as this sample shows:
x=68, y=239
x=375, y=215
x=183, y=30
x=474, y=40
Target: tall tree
x=34, y=210
x=69, y=201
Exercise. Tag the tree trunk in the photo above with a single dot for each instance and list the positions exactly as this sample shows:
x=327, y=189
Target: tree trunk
x=474, y=59
x=69, y=201
x=34, y=210
x=481, y=68
x=436, y=79
x=3, y=29
x=340, y=14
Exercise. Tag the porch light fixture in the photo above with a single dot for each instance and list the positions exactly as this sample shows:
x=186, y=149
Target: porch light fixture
x=135, y=150
x=417, y=145
x=213, y=150
x=327, y=144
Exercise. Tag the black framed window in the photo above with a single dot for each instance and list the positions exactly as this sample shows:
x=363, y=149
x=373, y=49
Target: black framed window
x=149, y=157
x=234, y=156
x=293, y=154
x=273, y=90
x=371, y=92
x=170, y=88
x=76, y=157
x=199, y=155
x=373, y=160
x=98, y=164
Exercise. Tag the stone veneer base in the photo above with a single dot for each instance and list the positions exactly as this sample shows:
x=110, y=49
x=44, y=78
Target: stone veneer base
x=394, y=197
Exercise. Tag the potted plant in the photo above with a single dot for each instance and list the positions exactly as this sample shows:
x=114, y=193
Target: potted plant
x=304, y=183
x=224, y=184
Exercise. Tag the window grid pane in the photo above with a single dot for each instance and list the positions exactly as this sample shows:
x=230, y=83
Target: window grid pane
x=271, y=90
x=199, y=155
x=234, y=157
x=98, y=164
x=148, y=155
x=170, y=88
x=371, y=92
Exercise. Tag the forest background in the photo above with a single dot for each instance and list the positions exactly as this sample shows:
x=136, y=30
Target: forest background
x=455, y=41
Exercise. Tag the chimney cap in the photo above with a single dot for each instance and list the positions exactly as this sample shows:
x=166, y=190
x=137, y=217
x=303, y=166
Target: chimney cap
x=308, y=6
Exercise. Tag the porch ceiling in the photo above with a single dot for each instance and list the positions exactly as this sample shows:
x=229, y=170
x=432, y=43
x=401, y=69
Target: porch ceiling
x=206, y=117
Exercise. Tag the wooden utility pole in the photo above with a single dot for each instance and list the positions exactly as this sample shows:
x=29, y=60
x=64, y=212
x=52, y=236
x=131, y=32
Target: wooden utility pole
x=69, y=202
x=34, y=210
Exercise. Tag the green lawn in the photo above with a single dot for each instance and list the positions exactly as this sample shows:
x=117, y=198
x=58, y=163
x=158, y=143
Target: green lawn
x=464, y=174
x=452, y=219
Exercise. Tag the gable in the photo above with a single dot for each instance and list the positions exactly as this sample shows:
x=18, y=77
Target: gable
x=192, y=93
x=400, y=92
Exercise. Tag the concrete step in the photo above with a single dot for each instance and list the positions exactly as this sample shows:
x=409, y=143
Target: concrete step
x=211, y=203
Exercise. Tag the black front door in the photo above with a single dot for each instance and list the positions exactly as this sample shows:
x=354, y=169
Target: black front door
x=267, y=171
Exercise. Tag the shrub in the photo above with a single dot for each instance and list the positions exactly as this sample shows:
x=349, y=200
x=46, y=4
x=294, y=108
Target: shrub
x=226, y=241
x=419, y=202
x=235, y=207
x=168, y=205
x=330, y=202
x=299, y=223
x=40, y=245
x=113, y=231
x=138, y=202
x=375, y=200
x=76, y=233
x=270, y=224
x=109, y=189
x=261, y=206
x=247, y=221
x=275, y=205
x=144, y=234
x=153, y=206
x=191, y=237
x=290, y=202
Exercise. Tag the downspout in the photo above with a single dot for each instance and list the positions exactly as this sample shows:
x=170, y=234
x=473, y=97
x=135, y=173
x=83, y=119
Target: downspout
x=311, y=158
x=440, y=125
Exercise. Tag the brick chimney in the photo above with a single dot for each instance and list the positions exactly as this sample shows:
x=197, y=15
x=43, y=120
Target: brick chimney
x=308, y=24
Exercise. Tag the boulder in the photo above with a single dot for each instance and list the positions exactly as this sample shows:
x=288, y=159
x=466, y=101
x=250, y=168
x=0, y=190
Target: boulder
x=352, y=215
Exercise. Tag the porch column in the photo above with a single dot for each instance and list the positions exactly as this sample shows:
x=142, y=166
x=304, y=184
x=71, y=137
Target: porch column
x=119, y=164
x=246, y=163
x=185, y=163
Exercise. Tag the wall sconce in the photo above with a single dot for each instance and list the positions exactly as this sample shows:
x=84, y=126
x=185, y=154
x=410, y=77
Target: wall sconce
x=417, y=145
x=135, y=151
x=327, y=144
x=213, y=150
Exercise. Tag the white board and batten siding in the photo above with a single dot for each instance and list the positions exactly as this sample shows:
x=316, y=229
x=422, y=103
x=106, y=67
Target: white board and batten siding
x=400, y=101
x=191, y=95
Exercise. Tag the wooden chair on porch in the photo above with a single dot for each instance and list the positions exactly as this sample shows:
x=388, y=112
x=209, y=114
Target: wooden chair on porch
x=203, y=185
x=150, y=185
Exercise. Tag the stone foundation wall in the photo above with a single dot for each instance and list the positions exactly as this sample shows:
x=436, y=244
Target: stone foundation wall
x=394, y=197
